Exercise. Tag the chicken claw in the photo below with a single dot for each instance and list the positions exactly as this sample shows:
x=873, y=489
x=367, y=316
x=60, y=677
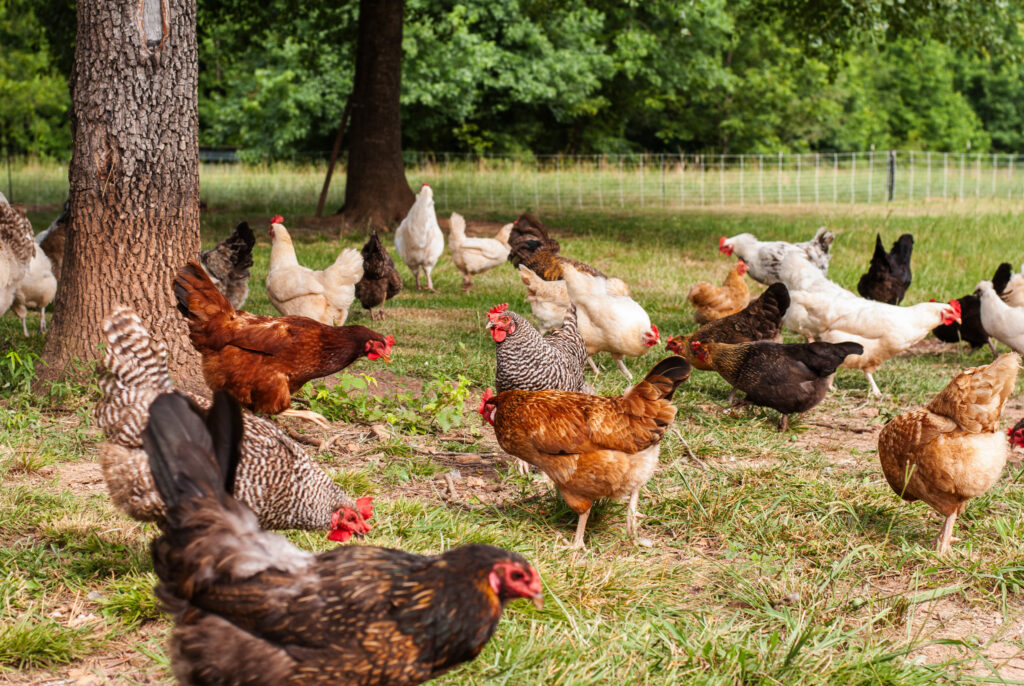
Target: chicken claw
x=309, y=416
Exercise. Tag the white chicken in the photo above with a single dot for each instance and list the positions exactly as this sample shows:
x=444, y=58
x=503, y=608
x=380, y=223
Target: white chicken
x=36, y=289
x=325, y=296
x=610, y=323
x=822, y=310
x=549, y=300
x=1002, y=321
x=16, y=251
x=476, y=255
x=418, y=238
x=764, y=258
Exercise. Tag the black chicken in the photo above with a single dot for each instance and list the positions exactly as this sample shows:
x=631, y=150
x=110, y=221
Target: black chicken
x=381, y=281
x=788, y=377
x=228, y=264
x=251, y=608
x=888, y=276
x=970, y=329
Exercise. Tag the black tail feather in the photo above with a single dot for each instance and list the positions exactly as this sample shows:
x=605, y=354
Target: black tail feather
x=675, y=369
x=1002, y=277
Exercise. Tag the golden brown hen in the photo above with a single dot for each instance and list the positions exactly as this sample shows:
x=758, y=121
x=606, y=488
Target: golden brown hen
x=591, y=446
x=712, y=302
x=951, y=450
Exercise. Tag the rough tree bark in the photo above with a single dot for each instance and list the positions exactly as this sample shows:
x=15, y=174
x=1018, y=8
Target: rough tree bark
x=376, y=190
x=134, y=178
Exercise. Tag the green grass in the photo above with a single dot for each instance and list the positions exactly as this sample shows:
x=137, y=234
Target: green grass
x=777, y=558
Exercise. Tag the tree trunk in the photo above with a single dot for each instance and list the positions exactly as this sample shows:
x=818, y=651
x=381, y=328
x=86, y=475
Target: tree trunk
x=134, y=178
x=376, y=191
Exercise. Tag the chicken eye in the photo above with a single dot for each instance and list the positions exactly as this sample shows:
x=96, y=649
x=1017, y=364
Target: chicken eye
x=517, y=576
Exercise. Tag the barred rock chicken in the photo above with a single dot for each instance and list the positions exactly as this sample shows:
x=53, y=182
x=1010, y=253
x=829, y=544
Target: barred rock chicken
x=1009, y=285
x=261, y=361
x=764, y=258
x=36, y=289
x=712, y=302
x=52, y=241
x=531, y=362
x=298, y=291
x=1001, y=321
x=787, y=377
x=951, y=450
x=381, y=281
x=251, y=608
x=591, y=446
x=418, y=239
x=610, y=323
x=761, y=320
x=283, y=485
x=228, y=264
x=16, y=251
x=476, y=255
x=531, y=246
x=549, y=300
x=969, y=329
x=888, y=276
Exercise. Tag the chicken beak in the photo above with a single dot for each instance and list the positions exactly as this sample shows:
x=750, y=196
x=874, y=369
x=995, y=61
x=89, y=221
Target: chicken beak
x=386, y=357
x=538, y=601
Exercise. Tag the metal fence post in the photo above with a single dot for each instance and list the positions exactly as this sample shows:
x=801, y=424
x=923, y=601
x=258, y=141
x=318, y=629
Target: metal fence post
x=928, y=184
x=760, y=177
x=721, y=179
x=662, y=179
x=682, y=180
x=742, y=164
x=622, y=197
x=945, y=173
x=817, y=169
x=536, y=186
x=871, y=173
x=890, y=181
x=835, y=178
x=1009, y=178
x=558, y=185
x=600, y=179
x=579, y=181
x=702, y=180
x=853, y=178
x=779, y=178
x=911, y=194
x=642, y=163
x=995, y=163
x=798, y=158
x=977, y=177
x=963, y=163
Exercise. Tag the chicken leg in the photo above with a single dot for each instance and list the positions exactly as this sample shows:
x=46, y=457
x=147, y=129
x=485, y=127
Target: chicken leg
x=430, y=283
x=593, y=365
x=631, y=513
x=416, y=275
x=945, y=537
x=309, y=416
x=467, y=283
x=24, y=326
x=577, y=543
x=874, y=387
x=622, y=368
x=42, y=319
x=992, y=347
x=784, y=423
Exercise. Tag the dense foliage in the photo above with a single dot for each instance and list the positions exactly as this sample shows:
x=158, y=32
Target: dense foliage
x=540, y=76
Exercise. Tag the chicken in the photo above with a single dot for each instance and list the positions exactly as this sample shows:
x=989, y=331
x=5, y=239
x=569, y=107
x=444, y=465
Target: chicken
x=888, y=276
x=761, y=320
x=787, y=377
x=820, y=309
x=261, y=361
x=951, y=450
x=381, y=281
x=36, y=289
x=298, y=291
x=531, y=362
x=1009, y=285
x=549, y=300
x=532, y=246
x=1016, y=435
x=476, y=255
x=52, y=241
x=228, y=264
x=970, y=329
x=16, y=251
x=712, y=302
x=764, y=259
x=251, y=608
x=418, y=239
x=591, y=446
x=1001, y=321
x=609, y=323
x=284, y=486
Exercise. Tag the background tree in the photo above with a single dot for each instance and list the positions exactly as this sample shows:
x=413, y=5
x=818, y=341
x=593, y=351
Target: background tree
x=134, y=177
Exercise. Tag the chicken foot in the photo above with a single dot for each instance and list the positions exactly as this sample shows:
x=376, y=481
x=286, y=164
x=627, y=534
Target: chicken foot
x=309, y=416
x=430, y=283
x=945, y=537
x=577, y=543
x=622, y=368
x=874, y=387
x=631, y=513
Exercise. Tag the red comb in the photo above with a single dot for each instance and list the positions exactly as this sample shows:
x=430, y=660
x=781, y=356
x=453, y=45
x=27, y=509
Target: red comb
x=497, y=309
x=955, y=304
x=389, y=340
x=488, y=394
x=654, y=328
x=426, y=185
x=365, y=506
x=277, y=219
x=721, y=241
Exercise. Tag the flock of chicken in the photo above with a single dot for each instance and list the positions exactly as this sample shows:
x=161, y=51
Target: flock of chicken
x=250, y=607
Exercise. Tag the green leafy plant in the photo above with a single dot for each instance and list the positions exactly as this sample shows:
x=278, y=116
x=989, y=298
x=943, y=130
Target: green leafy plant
x=17, y=371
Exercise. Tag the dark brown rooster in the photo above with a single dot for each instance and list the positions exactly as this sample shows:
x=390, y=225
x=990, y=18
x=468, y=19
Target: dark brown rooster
x=530, y=244
x=251, y=608
x=888, y=276
x=261, y=361
x=381, y=281
x=787, y=377
x=591, y=446
x=761, y=320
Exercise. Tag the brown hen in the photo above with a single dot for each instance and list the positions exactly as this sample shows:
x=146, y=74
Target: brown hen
x=951, y=450
x=712, y=302
x=260, y=360
x=251, y=608
x=530, y=244
x=591, y=446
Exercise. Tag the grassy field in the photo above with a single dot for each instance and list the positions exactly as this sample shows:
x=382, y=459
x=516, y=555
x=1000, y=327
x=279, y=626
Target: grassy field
x=776, y=558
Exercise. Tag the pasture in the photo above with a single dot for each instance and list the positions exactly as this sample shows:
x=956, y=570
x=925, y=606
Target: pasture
x=776, y=558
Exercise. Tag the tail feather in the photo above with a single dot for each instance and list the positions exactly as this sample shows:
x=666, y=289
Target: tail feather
x=347, y=269
x=825, y=358
x=664, y=379
x=902, y=250
x=241, y=243
x=774, y=302
x=1002, y=277
x=198, y=299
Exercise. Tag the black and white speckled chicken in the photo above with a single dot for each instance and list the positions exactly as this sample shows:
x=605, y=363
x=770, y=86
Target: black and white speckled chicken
x=16, y=251
x=228, y=264
x=381, y=281
x=276, y=477
x=528, y=361
x=251, y=608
